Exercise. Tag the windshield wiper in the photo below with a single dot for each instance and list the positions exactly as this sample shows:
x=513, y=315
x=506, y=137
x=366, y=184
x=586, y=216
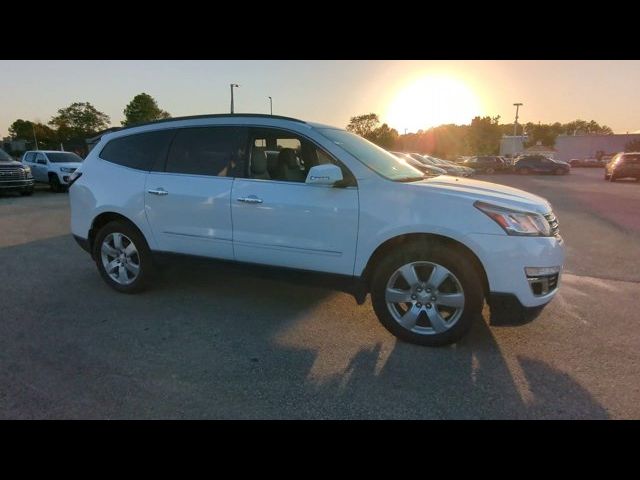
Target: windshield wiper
x=410, y=179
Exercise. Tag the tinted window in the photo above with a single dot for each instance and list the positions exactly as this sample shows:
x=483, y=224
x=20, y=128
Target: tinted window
x=30, y=157
x=631, y=159
x=64, y=157
x=213, y=151
x=140, y=151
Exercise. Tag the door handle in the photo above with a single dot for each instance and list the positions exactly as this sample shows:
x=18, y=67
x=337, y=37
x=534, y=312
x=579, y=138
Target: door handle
x=158, y=191
x=250, y=199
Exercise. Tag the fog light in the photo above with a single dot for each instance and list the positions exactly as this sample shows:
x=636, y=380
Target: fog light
x=541, y=271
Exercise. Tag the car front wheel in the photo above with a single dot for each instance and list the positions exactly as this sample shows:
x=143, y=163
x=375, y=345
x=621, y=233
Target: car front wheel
x=122, y=257
x=427, y=294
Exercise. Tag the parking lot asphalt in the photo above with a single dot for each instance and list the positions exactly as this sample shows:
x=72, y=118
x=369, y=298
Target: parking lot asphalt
x=208, y=341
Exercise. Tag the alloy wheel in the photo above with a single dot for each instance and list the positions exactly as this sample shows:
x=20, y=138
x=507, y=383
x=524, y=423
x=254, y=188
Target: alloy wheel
x=120, y=258
x=425, y=298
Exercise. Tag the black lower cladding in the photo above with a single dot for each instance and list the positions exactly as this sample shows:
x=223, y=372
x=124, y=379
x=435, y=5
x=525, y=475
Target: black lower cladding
x=344, y=283
x=506, y=309
x=83, y=242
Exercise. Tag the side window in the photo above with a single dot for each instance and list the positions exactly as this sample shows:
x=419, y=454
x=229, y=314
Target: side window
x=29, y=157
x=284, y=156
x=211, y=151
x=40, y=158
x=141, y=151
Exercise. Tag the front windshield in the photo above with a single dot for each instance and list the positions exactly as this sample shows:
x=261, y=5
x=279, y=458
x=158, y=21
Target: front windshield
x=64, y=157
x=374, y=157
x=5, y=156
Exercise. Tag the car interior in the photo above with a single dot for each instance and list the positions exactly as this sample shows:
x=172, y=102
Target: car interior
x=287, y=159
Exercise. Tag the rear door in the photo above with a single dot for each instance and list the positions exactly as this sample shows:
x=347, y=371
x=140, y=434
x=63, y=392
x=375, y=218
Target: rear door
x=280, y=220
x=188, y=202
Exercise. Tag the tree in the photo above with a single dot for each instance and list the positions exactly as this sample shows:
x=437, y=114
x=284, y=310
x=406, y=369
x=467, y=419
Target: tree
x=24, y=130
x=143, y=108
x=80, y=119
x=384, y=136
x=632, y=146
x=367, y=127
x=364, y=125
x=484, y=135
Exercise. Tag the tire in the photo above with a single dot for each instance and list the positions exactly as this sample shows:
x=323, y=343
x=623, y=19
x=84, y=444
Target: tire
x=27, y=193
x=612, y=177
x=124, y=267
x=606, y=176
x=490, y=170
x=54, y=183
x=524, y=171
x=558, y=171
x=424, y=255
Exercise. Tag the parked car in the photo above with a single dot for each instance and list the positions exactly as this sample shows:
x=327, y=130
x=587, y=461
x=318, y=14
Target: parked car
x=52, y=167
x=540, y=164
x=485, y=164
x=423, y=167
x=428, y=250
x=14, y=176
x=450, y=168
x=623, y=165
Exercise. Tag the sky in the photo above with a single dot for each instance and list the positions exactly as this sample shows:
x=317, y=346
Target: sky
x=408, y=95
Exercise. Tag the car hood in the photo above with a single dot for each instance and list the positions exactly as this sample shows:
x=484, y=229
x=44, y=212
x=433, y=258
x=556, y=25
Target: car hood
x=493, y=193
x=9, y=162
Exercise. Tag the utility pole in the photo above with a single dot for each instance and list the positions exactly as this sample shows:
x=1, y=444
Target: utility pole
x=34, y=135
x=232, y=85
x=271, y=105
x=515, y=125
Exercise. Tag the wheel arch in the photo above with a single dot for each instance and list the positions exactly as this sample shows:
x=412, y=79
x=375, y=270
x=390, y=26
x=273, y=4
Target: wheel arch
x=105, y=217
x=400, y=240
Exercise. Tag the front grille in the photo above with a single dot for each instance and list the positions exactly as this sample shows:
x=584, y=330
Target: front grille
x=543, y=285
x=553, y=223
x=11, y=172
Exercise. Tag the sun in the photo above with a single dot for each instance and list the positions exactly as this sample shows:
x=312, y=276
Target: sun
x=431, y=101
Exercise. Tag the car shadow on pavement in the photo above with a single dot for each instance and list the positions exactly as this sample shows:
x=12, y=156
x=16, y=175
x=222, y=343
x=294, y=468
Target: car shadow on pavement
x=212, y=342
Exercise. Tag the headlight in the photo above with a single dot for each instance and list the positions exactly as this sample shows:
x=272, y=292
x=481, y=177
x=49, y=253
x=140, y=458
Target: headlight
x=515, y=222
x=67, y=169
x=27, y=170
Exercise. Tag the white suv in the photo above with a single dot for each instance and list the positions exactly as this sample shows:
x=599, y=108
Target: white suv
x=52, y=167
x=282, y=192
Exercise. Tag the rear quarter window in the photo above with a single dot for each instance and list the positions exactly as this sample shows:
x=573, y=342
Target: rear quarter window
x=140, y=151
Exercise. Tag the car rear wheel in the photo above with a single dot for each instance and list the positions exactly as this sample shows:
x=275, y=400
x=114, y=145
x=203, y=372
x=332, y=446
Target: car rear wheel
x=612, y=177
x=427, y=294
x=606, y=176
x=123, y=257
x=524, y=171
x=490, y=170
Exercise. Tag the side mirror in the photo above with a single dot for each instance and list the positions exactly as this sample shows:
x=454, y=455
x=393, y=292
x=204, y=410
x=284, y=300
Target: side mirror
x=327, y=174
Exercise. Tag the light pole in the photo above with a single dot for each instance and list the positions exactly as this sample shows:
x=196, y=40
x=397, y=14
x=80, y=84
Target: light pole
x=232, y=85
x=515, y=125
x=34, y=134
x=270, y=105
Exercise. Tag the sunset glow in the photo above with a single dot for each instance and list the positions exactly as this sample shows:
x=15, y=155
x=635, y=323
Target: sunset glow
x=430, y=101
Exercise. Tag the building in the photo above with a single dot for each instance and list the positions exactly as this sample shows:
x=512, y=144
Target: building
x=569, y=147
x=511, y=145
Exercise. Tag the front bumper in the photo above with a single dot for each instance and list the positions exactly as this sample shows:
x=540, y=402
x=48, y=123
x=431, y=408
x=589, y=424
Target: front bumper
x=505, y=258
x=16, y=184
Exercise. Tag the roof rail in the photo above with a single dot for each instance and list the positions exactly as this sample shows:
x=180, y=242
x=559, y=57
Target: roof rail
x=213, y=115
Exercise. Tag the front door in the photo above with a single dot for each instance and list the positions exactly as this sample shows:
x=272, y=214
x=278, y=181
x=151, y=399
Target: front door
x=188, y=204
x=280, y=220
x=39, y=169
